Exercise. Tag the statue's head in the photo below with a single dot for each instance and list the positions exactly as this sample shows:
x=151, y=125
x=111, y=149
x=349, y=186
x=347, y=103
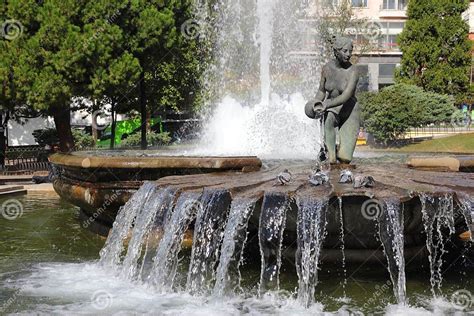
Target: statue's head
x=343, y=48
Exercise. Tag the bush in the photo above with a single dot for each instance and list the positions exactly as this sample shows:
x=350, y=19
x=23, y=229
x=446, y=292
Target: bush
x=389, y=113
x=153, y=139
x=49, y=136
x=82, y=140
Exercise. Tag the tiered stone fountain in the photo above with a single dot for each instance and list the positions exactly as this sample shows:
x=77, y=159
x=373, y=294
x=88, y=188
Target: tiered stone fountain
x=233, y=205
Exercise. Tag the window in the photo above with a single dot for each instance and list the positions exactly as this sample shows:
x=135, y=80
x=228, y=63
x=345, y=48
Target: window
x=394, y=4
x=386, y=70
x=388, y=42
x=359, y=3
x=389, y=4
x=363, y=84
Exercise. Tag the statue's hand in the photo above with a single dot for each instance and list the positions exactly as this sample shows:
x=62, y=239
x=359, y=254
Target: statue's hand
x=325, y=105
x=319, y=108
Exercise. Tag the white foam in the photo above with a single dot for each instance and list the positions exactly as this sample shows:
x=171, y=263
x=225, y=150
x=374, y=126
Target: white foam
x=279, y=130
x=87, y=288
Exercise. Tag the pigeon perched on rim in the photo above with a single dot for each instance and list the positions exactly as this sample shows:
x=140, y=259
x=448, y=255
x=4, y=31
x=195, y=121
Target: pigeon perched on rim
x=283, y=178
x=318, y=178
x=346, y=176
x=364, y=182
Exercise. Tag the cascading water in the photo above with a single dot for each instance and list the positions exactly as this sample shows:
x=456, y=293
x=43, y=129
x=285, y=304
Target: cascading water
x=157, y=208
x=343, y=246
x=235, y=235
x=165, y=262
x=271, y=228
x=311, y=233
x=111, y=254
x=271, y=38
x=392, y=236
x=208, y=233
x=438, y=220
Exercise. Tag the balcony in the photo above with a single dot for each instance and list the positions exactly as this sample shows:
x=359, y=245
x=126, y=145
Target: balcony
x=394, y=9
x=388, y=13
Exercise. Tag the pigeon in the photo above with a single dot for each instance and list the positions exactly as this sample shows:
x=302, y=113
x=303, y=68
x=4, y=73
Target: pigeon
x=364, y=182
x=283, y=178
x=346, y=176
x=318, y=178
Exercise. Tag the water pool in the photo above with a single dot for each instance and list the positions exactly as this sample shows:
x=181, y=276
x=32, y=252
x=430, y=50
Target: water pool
x=49, y=265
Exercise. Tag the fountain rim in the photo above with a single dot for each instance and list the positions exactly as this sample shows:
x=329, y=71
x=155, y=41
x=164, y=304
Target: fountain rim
x=90, y=161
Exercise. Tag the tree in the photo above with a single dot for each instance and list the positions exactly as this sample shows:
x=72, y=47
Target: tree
x=130, y=54
x=435, y=46
x=50, y=72
x=13, y=105
x=143, y=60
x=169, y=69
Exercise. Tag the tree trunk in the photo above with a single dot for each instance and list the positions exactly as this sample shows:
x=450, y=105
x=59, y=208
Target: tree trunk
x=113, y=126
x=62, y=120
x=143, y=111
x=3, y=147
x=95, y=134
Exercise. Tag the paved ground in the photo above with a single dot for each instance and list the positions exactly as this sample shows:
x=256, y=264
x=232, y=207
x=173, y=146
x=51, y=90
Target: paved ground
x=44, y=188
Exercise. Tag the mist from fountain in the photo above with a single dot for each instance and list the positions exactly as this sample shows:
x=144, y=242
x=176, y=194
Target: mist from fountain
x=261, y=81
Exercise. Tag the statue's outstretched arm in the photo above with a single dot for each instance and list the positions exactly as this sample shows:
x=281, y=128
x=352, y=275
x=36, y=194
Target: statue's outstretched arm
x=346, y=95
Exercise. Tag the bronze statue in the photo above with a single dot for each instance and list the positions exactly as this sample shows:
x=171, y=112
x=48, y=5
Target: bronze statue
x=336, y=103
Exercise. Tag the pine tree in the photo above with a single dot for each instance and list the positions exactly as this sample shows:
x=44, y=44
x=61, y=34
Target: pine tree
x=435, y=46
x=132, y=54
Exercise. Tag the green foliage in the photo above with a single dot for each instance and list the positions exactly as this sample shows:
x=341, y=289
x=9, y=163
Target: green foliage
x=466, y=97
x=435, y=46
x=47, y=136
x=388, y=114
x=153, y=139
x=82, y=140
x=74, y=50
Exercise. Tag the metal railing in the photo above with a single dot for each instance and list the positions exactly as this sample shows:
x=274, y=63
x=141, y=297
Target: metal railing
x=439, y=130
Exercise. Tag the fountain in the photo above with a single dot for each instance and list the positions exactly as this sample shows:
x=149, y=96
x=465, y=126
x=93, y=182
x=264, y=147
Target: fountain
x=228, y=200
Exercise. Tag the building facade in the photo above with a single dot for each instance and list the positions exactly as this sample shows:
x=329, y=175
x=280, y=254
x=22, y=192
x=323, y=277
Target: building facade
x=386, y=20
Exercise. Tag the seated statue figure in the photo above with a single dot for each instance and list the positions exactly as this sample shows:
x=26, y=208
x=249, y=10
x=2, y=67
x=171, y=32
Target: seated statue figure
x=336, y=103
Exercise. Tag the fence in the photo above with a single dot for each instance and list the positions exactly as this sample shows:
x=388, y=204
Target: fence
x=26, y=158
x=433, y=131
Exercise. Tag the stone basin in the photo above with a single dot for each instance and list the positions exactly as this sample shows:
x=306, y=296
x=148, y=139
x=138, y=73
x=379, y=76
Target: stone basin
x=100, y=182
x=99, y=186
